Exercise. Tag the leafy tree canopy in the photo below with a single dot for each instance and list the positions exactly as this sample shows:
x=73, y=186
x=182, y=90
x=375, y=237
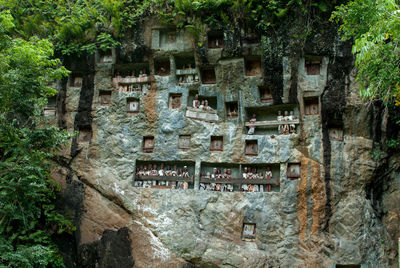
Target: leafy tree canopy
x=27, y=214
x=374, y=25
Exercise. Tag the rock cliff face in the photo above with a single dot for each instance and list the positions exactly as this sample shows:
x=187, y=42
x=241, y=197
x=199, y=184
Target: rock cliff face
x=341, y=209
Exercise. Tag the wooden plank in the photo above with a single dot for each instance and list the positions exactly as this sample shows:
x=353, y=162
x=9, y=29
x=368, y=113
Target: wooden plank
x=162, y=178
x=272, y=123
x=241, y=181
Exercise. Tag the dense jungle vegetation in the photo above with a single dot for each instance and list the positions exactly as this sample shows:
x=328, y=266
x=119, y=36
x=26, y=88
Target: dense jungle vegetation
x=35, y=34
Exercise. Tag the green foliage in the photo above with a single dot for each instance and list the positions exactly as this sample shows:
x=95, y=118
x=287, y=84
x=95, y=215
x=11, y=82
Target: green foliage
x=27, y=214
x=374, y=25
x=75, y=26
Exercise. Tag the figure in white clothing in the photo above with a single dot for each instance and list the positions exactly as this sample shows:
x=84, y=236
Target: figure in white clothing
x=268, y=176
x=280, y=119
x=292, y=127
x=201, y=107
x=185, y=173
x=196, y=102
x=252, y=128
x=286, y=125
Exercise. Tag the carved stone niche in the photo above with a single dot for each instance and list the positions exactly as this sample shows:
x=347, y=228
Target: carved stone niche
x=76, y=81
x=253, y=67
x=106, y=58
x=265, y=94
x=167, y=38
x=148, y=144
x=105, y=98
x=313, y=66
x=251, y=147
x=175, y=101
x=184, y=142
x=232, y=109
x=85, y=134
x=132, y=105
x=251, y=40
x=217, y=143
x=293, y=171
x=347, y=265
x=208, y=76
x=249, y=232
x=311, y=106
x=162, y=67
x=50, y=109
x=336, y=134
x=215, y=40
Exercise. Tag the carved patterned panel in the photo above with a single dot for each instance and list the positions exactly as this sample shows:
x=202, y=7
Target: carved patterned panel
x=208, y=76
x=133, y=105
x=251, y=147
x=249, y=231
x=184, y=142
x=148, y=144
x=175, y=101
x=313, y=67
x=217, y=143
x=105, y=98
x=293, y=171
x=311, y=106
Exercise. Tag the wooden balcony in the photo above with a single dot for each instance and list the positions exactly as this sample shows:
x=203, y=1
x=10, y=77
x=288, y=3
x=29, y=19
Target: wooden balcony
x=272, y=123
x=273, y=181
x=163, y=178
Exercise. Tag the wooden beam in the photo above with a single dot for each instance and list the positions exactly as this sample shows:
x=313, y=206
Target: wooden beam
x=241, y=181
x=162, y=178
x=272, y=123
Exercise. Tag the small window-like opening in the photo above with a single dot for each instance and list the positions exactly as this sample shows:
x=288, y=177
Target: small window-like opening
x=85, y=134
x=132, y=105
x=348, y=265
x=50, y=109
x=107, y=58
x=162, y=67
x=313, y=67
x=249, y=232
x=184, y=142
x=232, y=109
x=208, y=76
x=215, y=40
x=251, y=40
x=186, y=63
x=175, y=101
x=148, y=144
x=167, y=38
x=51, y=101
x=311, y=106
x=217, y=143
x=336, y=134
x=253, y=67
x=76, y=81
x=105, y=97
x=293, y=171
x=251, y=147
x=265, y=95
